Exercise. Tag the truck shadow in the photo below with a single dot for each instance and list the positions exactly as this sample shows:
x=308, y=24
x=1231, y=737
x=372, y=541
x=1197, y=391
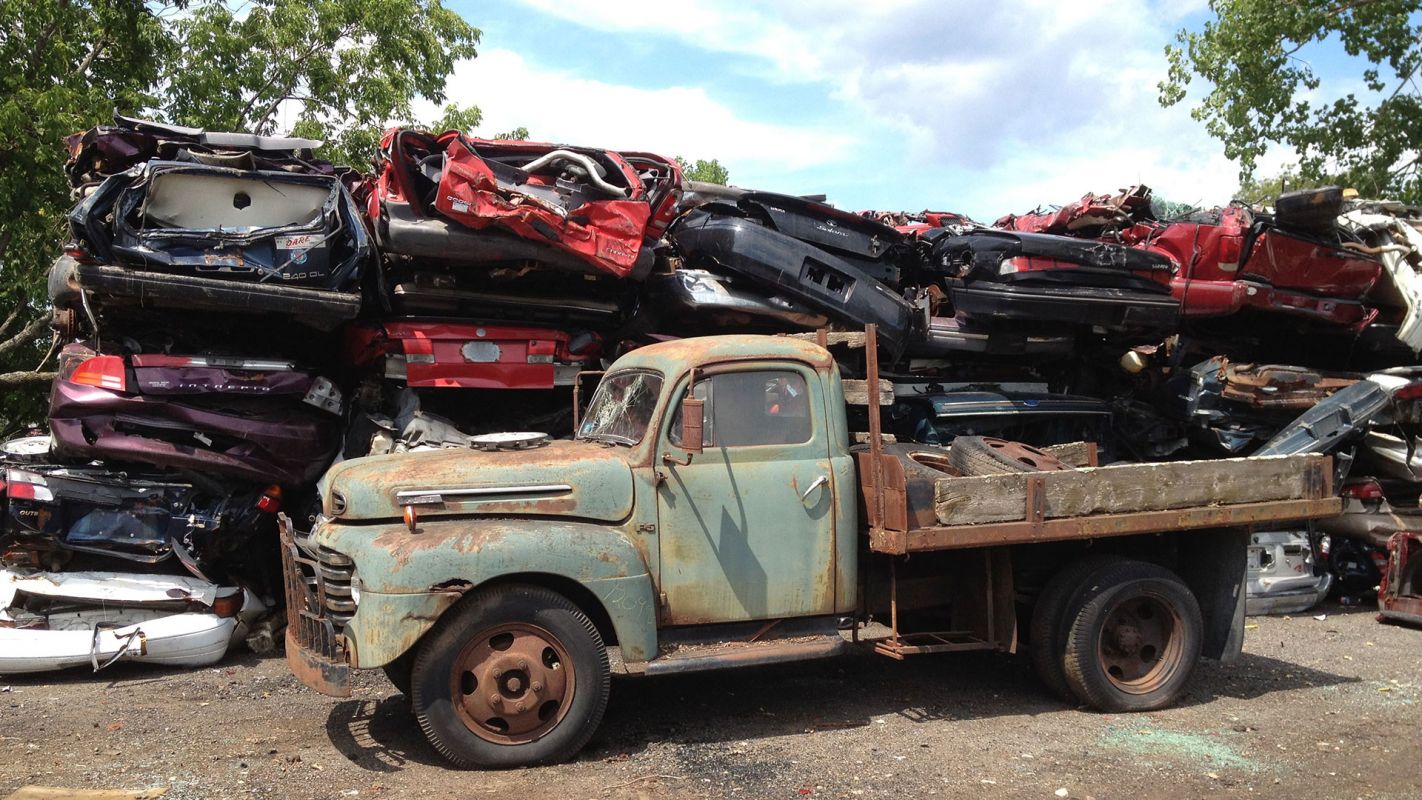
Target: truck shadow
x=851, y=692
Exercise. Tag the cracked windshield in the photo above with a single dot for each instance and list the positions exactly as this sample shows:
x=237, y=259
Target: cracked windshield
x=622, y=407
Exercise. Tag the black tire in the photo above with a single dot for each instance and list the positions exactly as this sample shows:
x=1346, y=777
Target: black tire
x=1134, y=638
x=984, y=455
x=475, y=626
x=400, y=670
x=1049, y=628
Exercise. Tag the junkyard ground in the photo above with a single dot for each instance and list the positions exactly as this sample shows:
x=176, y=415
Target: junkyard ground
x=1315, y=708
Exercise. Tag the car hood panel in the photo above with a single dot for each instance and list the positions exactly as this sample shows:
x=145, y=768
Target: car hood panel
x=562, y=479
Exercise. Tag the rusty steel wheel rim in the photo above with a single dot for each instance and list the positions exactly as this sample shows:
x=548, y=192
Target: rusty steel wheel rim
x=1023, y=454
x=1141, y=644
x=513, y=683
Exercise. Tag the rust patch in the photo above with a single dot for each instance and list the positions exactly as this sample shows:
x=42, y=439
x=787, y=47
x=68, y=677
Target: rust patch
x=462, y=538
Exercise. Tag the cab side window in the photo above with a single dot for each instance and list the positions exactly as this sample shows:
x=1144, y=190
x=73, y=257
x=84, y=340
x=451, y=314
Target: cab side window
x=745, y=409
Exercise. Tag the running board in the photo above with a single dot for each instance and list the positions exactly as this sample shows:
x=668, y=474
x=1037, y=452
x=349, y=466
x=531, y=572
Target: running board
x=699, y=658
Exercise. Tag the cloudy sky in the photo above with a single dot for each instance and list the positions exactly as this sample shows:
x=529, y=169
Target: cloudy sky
x=973, y=106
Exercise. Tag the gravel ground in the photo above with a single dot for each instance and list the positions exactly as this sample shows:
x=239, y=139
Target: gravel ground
x=1315, y=708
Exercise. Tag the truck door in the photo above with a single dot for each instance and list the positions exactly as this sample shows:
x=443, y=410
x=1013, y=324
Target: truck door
x=747, y=527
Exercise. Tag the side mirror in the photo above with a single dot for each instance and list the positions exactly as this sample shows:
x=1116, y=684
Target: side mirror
x=693, y=419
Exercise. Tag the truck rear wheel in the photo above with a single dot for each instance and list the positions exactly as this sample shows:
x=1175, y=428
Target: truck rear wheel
x=514, y=676
x=1051, y=624
x=1134, y=638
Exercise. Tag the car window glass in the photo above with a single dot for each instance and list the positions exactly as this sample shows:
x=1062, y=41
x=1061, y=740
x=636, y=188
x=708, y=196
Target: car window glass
x=745, y=409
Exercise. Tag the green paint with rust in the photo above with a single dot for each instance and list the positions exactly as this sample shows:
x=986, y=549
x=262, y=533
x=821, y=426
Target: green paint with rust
x=609, y=531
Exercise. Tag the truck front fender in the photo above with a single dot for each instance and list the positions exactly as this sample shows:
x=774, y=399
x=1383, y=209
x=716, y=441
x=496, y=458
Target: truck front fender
x=407, y=580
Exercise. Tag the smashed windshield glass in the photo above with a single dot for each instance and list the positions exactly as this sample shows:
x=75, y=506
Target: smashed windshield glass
x=622, y=407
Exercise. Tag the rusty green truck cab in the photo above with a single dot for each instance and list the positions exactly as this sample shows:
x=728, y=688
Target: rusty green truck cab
x=621, y=516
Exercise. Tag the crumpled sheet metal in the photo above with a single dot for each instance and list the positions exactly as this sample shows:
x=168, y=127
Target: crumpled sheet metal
x=1401, y=256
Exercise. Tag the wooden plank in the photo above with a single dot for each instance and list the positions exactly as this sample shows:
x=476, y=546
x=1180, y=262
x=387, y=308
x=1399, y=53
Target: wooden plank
x=1103, y=526
x=862, y=437
x=1075, y=454
x=1128, y=488
x=856, y=393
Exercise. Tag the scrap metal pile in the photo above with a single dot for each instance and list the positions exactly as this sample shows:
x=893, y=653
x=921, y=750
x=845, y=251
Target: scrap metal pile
x=238, y=314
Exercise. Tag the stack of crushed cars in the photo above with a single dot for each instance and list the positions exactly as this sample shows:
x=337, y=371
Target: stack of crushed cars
x=235, y=315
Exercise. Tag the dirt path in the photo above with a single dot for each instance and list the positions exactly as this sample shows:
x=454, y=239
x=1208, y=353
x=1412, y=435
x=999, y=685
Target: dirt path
x=1329, y=708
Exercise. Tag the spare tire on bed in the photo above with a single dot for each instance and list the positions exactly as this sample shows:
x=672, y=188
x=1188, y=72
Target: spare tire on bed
x=985, y=455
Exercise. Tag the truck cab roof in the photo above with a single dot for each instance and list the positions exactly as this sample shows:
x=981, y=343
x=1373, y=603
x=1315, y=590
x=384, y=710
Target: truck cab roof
x=672, y=358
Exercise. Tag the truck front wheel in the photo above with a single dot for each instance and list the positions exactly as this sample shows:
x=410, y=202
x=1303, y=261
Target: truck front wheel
x=514, y=676
x=1134, y=638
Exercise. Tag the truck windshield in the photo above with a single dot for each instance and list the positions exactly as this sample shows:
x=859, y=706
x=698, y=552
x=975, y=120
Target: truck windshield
x=622, y=407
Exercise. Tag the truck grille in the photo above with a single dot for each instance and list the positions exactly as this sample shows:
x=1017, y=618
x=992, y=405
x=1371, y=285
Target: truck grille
x=318, y=596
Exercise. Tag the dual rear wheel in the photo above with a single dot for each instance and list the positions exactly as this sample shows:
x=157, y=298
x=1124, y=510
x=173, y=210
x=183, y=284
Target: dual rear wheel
x=1116, y=634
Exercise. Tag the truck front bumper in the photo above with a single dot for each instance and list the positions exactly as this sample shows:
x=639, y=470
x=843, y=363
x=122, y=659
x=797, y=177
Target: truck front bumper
x=315, y=651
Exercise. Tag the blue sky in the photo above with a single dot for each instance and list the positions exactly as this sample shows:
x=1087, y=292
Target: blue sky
x=975, y=107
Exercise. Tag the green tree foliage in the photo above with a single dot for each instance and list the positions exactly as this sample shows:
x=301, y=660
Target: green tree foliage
x=1262, y=190
x=337, y=70
x=517, y=134
x=704, y=171
x=1254, y=53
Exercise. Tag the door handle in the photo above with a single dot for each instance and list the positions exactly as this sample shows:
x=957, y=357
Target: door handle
x=820, y=481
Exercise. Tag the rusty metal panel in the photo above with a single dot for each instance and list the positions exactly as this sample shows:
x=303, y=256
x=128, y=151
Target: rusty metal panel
x=574, y=479
x=315, y=652
x=445, y=557
x=748, y=532
x=892, y=513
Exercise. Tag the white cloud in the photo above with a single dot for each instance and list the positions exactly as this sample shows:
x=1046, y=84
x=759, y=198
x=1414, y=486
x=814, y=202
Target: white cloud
x=564, y=107
x=1025, y=94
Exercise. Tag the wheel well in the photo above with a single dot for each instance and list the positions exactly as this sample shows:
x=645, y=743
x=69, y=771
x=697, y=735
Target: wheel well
x=1210, y=562
x=578, y=594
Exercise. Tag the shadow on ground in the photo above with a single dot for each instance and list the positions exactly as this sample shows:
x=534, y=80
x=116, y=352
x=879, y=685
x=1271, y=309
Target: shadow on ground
x=755, y=703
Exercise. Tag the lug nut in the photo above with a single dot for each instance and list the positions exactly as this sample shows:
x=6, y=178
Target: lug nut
x=495, y=700
x=535, y=687
x=522, y=664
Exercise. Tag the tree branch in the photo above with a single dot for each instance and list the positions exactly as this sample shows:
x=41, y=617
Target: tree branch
x=43, y=43
x=286, y=90
x=26, y=334
x=10, y=379
x=93, y=53
x=10, y=320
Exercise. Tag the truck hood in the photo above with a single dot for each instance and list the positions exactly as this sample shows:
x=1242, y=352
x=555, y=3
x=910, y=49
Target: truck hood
x=562, y=479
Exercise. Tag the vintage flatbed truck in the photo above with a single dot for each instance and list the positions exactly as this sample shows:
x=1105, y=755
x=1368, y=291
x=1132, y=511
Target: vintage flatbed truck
x=714, y=511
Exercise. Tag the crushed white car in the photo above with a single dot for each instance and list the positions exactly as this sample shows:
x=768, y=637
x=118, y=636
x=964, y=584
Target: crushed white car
x=51, y=621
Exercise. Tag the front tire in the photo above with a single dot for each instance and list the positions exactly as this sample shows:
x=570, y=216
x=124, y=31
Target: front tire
x=1134, y=638
x=514, y=676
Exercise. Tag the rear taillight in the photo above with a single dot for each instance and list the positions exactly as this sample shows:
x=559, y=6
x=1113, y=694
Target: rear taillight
x=541, y=351
x=23, y=485
x=1379, y=559
x=419, y=350
x=270, y=501
x=1363, y=490
x=1412, y=391
x=228, y=605
x=105, y=372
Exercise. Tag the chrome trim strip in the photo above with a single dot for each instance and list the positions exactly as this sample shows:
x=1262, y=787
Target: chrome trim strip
x=421, y=494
